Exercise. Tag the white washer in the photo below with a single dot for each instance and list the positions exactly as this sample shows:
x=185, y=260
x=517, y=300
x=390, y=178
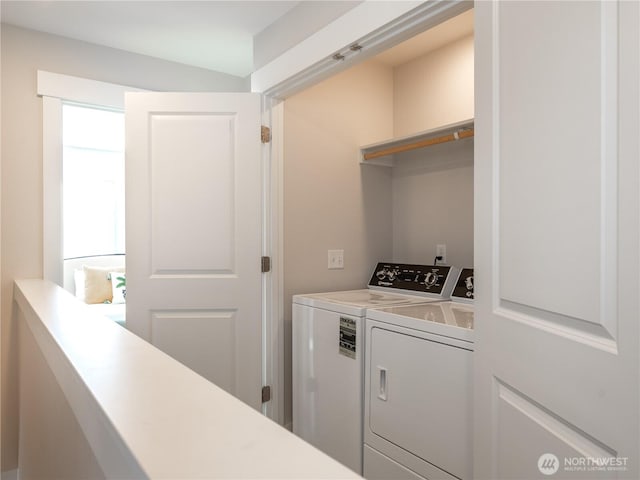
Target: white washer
x=327, y=353
x=418, y=389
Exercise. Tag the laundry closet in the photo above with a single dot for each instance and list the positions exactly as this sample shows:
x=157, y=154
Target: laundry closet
x=345, y=190
x=333, y=199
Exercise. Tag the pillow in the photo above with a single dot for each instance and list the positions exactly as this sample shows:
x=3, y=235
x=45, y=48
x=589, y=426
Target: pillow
x=118, y=287
x=97, y=283
x=78, y=280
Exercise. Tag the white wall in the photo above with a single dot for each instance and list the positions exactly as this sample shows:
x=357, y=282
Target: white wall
x=330, y=200
x=24, y=52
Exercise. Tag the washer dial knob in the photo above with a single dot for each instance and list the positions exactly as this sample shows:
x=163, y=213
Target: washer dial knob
x=430, y=279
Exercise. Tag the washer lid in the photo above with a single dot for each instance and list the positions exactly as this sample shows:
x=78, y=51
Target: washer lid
x=356, y=299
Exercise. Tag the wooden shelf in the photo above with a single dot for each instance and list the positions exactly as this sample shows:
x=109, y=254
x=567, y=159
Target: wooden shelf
x=382, y=153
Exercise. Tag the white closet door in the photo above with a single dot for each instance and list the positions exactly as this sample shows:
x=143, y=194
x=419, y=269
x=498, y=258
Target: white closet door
x=556, y=229
x=193, y=222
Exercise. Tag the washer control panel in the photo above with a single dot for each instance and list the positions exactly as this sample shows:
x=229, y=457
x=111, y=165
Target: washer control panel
x=436, y=280
x=464, y=286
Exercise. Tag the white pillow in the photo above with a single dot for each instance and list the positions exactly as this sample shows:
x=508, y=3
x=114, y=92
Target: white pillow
x=118, y=287
x=97, y=284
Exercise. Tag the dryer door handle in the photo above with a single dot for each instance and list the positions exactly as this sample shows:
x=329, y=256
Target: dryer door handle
x=382, y=385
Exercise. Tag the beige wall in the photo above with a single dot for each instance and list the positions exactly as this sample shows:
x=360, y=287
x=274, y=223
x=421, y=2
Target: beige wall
x=433, y=203
x=330, y=200
x=433, y=187
x=434, y=90
x=24, y=52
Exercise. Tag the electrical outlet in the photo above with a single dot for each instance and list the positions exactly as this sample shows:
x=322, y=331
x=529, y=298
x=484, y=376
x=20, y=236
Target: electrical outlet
x=336, y=259
x=441, y=251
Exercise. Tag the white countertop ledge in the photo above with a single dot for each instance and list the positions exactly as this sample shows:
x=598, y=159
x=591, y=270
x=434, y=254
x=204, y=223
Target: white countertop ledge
x=146, y=415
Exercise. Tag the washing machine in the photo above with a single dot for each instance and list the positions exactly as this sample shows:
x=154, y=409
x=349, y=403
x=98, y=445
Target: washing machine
x=418, y=389
x=328, y=356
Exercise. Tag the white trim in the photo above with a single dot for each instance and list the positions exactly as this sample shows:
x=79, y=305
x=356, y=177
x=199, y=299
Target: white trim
x=10, y=475
x=52, y=231
x=272, y=284
x=83, y=90
x=55, y=88
x=267, y=277
x=354, y=24
x=374, y=25
x=277, y=260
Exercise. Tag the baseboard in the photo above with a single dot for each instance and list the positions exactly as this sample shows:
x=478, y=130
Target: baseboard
x=9, y=475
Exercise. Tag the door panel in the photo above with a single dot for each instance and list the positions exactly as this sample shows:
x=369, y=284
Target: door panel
x=193, y=187
x=540, y=155
x=556, y=232
x=203, y=146
x=188, y=337
x=516, y=457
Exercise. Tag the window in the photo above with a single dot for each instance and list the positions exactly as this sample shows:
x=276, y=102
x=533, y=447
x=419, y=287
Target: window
x=58, y=91
x=93, y=181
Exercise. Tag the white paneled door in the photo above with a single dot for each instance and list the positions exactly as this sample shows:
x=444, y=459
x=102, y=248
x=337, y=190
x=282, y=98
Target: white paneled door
x=193, y=223
x=557, y=244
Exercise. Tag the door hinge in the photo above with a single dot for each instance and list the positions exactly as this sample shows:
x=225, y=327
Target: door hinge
x=266, y=393
x=265, y=264
x=265, y=134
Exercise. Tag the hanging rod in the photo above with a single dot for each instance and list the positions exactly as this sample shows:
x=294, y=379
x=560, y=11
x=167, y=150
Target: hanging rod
x=457, y=135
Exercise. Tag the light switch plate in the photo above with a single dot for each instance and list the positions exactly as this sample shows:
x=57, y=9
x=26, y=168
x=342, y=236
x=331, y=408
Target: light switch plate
x=335, y=259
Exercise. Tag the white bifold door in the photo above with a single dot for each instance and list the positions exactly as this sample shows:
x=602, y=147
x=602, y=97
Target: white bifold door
x=193, y=223
x=557, y=247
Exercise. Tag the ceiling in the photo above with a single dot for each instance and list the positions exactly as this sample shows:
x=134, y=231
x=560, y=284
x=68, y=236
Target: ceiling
x=213, y=34
x=216, y=35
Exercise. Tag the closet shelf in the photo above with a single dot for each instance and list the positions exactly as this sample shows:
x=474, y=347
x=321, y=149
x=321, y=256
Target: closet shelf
x=382, y=153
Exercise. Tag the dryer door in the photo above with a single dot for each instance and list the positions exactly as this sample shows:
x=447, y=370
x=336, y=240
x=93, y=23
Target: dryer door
x=419, y=395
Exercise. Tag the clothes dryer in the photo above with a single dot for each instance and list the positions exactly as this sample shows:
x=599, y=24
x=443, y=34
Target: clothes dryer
x=327, y=352
x=418, y=389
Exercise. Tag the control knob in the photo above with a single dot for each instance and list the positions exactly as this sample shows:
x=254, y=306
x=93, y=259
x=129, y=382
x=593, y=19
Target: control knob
x=392, y=274
x=381, y=274
x=430, y=279
x=389, y=274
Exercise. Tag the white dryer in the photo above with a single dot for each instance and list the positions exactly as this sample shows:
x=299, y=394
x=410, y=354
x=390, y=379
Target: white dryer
x=418, y=389
x=328, y=356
